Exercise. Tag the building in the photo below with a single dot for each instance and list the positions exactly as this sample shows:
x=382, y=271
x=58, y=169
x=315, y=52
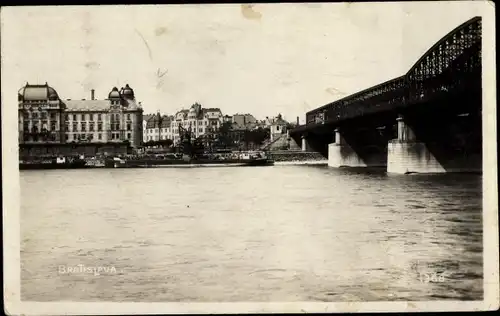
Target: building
x=44, y=118
x=201, y=122
x=227, y=118
x=145, y=119
x=158, y=127
x=277, y=126
x=244, y=121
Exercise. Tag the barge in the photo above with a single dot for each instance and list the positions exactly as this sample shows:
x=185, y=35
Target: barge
x=192, y=154
x=53, y=163
x=117, y=162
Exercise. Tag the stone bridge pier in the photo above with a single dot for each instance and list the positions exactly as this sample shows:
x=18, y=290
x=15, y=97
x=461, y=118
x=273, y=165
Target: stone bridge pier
x=408, y=155
x=359, y=147
x=436, y=144
x=316, y=142
x=420, y=141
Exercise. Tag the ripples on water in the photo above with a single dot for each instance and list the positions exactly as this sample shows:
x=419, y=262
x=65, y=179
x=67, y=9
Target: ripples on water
x=282, y=233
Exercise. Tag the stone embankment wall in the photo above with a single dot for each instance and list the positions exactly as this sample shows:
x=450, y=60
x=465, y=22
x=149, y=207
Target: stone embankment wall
x=296, y=156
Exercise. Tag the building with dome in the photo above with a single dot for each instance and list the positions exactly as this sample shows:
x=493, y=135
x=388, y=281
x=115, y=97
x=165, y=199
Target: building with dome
x=47, y=119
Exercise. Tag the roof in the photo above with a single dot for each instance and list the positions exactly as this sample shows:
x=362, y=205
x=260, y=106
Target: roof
x=184, y=113
x=155, y=120
x=165, y=121
x=211, y=110
x=279, y=121
x=37, y=92
x=87, y=105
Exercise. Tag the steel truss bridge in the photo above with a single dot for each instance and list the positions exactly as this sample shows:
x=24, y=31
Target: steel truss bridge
x=449, y=68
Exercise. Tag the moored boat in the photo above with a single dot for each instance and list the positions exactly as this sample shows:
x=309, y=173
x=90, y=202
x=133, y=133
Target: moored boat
x=192, y=154
x=52, y=163
x=158, y=162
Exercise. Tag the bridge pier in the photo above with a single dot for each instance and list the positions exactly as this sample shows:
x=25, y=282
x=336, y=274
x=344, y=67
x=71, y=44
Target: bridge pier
x=341, y=154
x=305, y=145
x=407, y=155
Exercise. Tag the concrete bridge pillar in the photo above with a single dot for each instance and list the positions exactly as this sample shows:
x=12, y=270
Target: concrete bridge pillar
x=305, y=145
x=339, y=139
x=407, y=155
x=341, y=154
x=405, y=132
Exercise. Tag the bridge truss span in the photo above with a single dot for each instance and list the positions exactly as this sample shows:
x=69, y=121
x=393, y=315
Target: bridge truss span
x=449, y=68
x=451, y=65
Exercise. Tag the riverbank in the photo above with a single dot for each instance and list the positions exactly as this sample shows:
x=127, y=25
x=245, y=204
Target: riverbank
x=297, y=157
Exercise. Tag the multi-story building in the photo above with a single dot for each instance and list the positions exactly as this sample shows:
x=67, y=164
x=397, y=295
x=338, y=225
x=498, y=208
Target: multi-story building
x=41, y=114
x=145, y=119
x=244, y=121
x=158, y=127
x=201, y=122
x=45, y=118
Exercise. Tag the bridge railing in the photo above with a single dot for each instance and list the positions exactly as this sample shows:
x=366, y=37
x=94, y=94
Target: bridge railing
x=374, y=99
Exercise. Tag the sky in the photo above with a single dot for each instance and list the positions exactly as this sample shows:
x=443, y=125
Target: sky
x=262, y=59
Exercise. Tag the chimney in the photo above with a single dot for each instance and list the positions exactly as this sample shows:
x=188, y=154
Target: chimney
x=92, y=94
x=297, y=121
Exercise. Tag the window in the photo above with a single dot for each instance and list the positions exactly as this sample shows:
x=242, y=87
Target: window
x=128, y=117
x=66, y=117
x=129, y=127
x=129, y=136
x=91, y=127
x=75, y=117
x=117, y=126
x=66, y=126
x=67, y=137
x=99, y=117
x=99, y=126
x=90, y=136
x=75, y=126
x=52, y=115
x=84, y=127
x=35, y=115
x=200, y=130
x=52, y=126
x=99, y=136
x=44, y=115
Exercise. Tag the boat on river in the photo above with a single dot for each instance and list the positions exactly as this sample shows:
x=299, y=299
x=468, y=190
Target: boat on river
x=52, y=163
x=192, y=154
x=241, y=160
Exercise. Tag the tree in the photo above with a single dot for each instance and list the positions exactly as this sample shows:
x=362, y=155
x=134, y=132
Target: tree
x=256, y=137
x=165, y=142
x=222, y=135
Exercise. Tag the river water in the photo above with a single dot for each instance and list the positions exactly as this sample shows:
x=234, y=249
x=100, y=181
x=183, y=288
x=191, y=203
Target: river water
x=282, y=233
